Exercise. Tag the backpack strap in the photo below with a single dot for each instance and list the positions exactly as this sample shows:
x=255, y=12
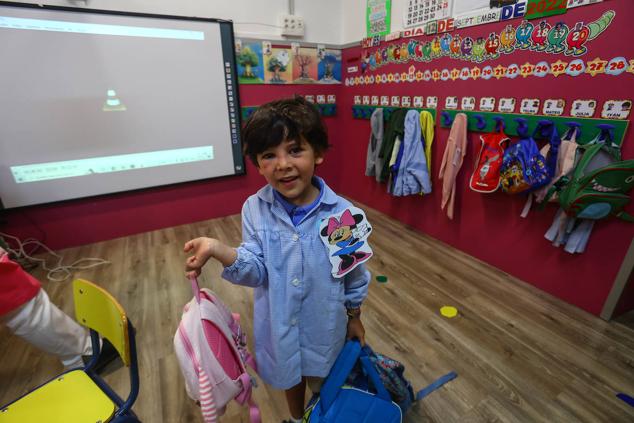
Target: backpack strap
x=340, y=370
x=435, y=385
x=195, y=288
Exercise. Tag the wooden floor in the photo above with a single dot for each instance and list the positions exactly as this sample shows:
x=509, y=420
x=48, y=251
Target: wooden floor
x=520, y=355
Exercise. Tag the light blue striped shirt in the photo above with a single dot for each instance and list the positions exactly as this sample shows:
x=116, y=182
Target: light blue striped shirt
x=299, y=312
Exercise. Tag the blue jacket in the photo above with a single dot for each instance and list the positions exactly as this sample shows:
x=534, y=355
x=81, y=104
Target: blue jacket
x=412, y=176
x=299, y=311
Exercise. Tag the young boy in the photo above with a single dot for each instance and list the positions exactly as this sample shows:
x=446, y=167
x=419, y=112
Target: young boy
x=302, y=314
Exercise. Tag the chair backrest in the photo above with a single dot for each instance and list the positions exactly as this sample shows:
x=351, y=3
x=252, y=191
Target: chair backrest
x=96, y=309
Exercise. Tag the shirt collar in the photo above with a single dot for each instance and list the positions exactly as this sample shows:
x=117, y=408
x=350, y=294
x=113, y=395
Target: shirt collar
x=328, y=196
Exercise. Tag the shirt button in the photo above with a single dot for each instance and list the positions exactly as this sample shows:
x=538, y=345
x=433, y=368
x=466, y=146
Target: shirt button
x=295, y=237
x=295, y=282
x=293, y=321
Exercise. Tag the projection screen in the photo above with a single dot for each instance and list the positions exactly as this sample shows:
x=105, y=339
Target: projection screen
x=95, y=102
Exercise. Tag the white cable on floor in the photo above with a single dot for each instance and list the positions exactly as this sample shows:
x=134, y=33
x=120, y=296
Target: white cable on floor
x=59, y=268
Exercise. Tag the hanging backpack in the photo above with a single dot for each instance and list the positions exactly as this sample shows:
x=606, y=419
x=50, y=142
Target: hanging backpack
x=211, y=351
x=486, y=174
x=600, y=183
x=365, y=386
x=524, y=168
x=566, y=160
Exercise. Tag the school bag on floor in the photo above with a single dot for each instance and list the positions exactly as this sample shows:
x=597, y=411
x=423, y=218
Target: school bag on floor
x=524, y=168
x=364, y=387
x=211, y=351
x=486, y=174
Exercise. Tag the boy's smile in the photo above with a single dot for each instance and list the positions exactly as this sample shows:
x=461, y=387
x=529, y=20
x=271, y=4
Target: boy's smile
x=289, y=168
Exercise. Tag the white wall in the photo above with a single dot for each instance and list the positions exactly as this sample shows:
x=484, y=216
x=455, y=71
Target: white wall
x=252, y=18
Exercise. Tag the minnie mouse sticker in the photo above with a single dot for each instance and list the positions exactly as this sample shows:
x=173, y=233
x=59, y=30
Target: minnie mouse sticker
x=346, y=235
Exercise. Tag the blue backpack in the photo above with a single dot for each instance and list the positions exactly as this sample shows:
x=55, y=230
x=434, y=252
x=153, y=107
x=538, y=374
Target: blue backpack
x=365, y=387
x=523, y=167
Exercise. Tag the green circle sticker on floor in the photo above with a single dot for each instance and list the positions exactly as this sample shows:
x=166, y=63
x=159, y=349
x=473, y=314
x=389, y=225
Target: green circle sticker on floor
x=449, y=311
x=381, y=279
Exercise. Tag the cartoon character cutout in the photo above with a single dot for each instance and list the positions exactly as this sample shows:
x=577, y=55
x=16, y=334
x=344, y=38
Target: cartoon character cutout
x=466, y=47
x=445, y=43
x=427, y=52
x=576, y=40
x=540, y=36
x=478, y=50
x=454, y=46
x=507, y=39
x=435, y=47
x=419, y=51
x=404, y=53
x=557, y=37
x=345, y=235
x=411, y=48
x=492, y=44
x=523, y=35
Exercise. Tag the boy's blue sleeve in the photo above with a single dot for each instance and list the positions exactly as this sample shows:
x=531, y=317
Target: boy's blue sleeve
x=356, y=286
x=249, y=268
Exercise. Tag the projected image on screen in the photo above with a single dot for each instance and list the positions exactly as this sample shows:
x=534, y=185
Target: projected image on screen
x=96, y=103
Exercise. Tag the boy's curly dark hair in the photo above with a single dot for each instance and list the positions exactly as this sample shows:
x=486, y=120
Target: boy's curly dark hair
x=274, y=122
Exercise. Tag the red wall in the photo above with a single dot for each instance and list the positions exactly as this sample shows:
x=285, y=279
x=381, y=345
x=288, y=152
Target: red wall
x=79, y=222
x=488, y=226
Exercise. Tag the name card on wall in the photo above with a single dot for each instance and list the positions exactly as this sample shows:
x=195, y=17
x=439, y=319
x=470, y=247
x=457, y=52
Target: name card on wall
x=451, y=103
x=529, y=106
x=385, y=100
x=487, y=104
x=468, y=103
x=554, y=107
x=506, y=105
x=321, y=99
x=311, y=99
x=406, y=101
x=432, y=102
x=374, y=100
x=583, y=108
x=332, y=99
x=396, y=101
x=366, y=100
x=418, y=101
x=616, y=109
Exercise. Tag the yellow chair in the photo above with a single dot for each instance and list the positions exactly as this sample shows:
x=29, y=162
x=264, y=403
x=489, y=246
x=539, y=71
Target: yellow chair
x=80, y=395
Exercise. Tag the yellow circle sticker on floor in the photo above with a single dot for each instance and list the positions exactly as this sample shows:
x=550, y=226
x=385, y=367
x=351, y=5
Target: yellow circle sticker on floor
x=449, y=311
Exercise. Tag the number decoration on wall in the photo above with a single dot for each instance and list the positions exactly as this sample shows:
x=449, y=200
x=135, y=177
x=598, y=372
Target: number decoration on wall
x=614, y=67
x=540, y=8
x=538, y=36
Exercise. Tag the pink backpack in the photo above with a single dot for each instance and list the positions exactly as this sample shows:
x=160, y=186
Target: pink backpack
x=212, y=353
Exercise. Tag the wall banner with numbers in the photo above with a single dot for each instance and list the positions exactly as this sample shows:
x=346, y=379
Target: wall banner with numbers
x=418, y=12
x=561, y=38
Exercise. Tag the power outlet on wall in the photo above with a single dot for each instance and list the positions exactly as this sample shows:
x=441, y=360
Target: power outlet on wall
x=292, y=25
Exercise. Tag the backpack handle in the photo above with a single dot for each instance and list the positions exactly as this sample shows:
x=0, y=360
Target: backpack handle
x=195, y=288
x=350, y=353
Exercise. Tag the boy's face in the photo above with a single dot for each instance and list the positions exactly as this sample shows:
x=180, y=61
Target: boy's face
x=289, y=168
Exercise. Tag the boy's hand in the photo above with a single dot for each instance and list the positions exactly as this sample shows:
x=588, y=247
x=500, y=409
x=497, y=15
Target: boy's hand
x=202, y=248
x=356, y=330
